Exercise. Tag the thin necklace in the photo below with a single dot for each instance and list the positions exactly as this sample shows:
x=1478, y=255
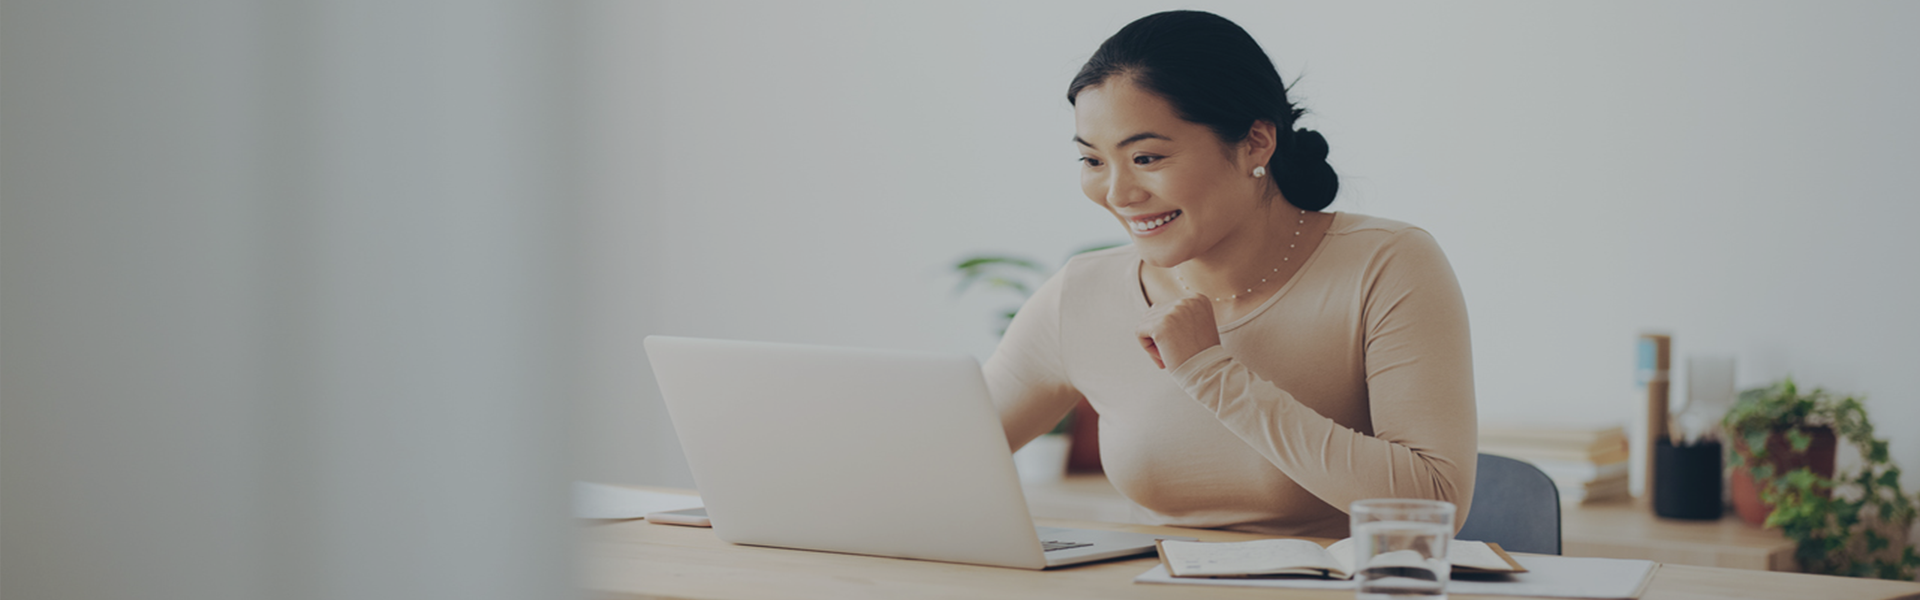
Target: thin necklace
x=1290, y=247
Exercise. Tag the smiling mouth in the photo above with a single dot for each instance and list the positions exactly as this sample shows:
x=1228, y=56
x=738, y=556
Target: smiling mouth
x=1149, y=225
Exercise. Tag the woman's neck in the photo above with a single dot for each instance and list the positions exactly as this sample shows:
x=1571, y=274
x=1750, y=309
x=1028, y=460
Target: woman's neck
x=1254, y=260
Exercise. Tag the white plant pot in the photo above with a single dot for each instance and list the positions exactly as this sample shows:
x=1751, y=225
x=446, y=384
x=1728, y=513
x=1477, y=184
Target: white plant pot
x=1043, y=460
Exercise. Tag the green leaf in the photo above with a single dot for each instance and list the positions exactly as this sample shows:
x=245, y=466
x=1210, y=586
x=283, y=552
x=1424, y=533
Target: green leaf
x=1847, y=515
x=1008, y=284
x=1757, y=443
x=1802, y=478
x=1003, y=268
x=1799, y=440
x=978, y=262
x=1097, y=248
x=1006, y=320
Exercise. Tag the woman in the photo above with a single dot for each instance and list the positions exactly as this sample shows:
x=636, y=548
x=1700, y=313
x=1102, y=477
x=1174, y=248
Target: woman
x=1257, y=364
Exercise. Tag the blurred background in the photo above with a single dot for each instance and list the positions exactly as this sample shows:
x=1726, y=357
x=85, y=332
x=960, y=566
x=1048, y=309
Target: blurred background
x=331, y=299
x=1736, y=174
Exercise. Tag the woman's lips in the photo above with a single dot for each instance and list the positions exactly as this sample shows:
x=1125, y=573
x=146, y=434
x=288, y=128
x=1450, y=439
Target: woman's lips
x=1152, y=224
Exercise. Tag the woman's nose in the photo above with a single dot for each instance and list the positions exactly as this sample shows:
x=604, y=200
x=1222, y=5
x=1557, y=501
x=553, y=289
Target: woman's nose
x=1122, y=191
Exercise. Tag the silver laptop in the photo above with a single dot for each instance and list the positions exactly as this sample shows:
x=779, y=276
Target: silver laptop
x=877, y=452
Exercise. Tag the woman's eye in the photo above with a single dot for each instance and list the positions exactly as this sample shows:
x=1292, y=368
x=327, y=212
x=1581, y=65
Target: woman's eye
x=1145, y=159
x=1090, y=161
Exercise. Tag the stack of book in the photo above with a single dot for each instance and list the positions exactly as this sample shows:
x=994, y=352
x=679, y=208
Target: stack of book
x=1588, y=464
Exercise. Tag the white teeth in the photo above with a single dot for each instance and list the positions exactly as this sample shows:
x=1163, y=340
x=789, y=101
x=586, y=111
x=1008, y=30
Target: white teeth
x=1145, y=226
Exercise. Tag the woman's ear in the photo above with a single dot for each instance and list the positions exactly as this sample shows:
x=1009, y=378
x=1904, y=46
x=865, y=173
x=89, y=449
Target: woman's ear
x=1258, y=148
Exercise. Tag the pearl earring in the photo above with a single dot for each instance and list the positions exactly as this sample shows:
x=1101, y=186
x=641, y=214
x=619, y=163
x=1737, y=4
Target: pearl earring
x=1259, y=172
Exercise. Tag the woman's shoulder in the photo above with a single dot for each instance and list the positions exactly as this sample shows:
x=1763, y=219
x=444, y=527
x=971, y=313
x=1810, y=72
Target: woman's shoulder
x=1380, y=232
x=1380, y=246
x=1346, y=223
x=1100, y=272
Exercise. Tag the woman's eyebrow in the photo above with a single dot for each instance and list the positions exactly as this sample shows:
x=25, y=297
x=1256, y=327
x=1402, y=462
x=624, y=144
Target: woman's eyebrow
x=1144, y=135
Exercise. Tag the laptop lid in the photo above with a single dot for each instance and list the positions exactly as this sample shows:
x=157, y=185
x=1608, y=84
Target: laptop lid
x=878, y=452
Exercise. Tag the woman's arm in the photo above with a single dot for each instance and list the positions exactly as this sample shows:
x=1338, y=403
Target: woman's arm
x=1026, y=373
x=1419, y=373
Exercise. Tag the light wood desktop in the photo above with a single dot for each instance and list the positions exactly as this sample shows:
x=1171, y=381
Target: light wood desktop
x=1624, y=529
x=1629, y=529
x=637, y=559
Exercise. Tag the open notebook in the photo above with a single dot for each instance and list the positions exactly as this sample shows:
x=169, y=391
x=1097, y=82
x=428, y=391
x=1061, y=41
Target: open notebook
x=1546, y=576
x=1305, y=558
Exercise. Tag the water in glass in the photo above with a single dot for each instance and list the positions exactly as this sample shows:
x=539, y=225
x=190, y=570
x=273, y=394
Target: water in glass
x=1402, y=559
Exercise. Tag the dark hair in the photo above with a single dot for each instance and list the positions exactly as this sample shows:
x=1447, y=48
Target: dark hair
x=1214, y=74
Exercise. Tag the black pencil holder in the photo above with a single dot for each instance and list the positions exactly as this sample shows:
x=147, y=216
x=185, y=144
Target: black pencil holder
x=1686, y=480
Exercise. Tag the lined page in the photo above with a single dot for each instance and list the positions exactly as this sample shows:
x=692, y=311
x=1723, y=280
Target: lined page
x=1258, y=557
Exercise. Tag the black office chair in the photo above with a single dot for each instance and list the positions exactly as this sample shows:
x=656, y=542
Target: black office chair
x=1514, y=505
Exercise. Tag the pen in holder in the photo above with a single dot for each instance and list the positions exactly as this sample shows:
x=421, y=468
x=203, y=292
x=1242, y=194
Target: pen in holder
x=1687, y=480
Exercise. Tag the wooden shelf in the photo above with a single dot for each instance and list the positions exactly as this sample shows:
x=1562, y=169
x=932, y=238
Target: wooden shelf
x=1606, y=530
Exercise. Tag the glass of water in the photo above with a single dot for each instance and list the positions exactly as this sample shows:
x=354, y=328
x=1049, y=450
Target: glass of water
x=1400, y=548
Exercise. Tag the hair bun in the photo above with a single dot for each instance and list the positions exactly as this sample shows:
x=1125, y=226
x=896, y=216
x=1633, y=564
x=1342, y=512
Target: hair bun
x=1309, y=145
x=1308, y=182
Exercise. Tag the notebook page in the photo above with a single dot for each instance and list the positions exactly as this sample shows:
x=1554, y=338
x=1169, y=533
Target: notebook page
x=1343, y=552
x=1188, y=559
x=1460, y=553
x=1549, y=576
x=1475, y=555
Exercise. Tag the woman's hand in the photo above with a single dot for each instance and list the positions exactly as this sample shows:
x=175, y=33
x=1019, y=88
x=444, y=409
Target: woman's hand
x=1174, y=331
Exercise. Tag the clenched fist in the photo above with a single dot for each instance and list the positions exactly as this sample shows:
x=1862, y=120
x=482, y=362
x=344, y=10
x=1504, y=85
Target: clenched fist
x=1173, y=332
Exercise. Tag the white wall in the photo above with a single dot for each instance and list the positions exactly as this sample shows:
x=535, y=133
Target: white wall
x=287, y=288
x=283, y=300
x=1737, y=173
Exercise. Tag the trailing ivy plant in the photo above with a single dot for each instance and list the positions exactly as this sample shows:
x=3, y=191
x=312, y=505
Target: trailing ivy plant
x=1010, y=273
x=1016, y=274
x=1847, y=525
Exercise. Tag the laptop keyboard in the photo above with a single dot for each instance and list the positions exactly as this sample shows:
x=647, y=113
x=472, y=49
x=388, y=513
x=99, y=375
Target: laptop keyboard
x=1049, y=546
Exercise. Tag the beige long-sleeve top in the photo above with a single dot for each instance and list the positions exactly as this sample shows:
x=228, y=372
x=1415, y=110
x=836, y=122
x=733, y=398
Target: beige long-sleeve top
x=1354, y=381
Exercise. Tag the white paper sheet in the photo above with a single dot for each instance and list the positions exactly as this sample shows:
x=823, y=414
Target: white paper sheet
x=600, y=501
x=1549, y=576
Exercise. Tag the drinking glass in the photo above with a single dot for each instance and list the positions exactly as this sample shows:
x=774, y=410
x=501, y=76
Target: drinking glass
x=1400, y=548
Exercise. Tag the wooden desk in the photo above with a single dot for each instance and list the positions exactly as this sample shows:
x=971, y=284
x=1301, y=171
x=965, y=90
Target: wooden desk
x=1629, y=529
x=1610, y=530
x=636, y=559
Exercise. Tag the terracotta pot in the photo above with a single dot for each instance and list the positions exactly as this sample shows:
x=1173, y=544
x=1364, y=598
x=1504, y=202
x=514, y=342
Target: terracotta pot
x=1746, y=492
x=1084, y=457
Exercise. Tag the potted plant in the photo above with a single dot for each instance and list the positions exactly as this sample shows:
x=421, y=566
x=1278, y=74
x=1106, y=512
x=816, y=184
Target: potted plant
x=1044, y=460
x=1852, y=524
x=1079, y=432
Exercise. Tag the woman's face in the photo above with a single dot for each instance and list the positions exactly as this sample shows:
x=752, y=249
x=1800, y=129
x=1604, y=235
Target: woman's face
x=1175, y=187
